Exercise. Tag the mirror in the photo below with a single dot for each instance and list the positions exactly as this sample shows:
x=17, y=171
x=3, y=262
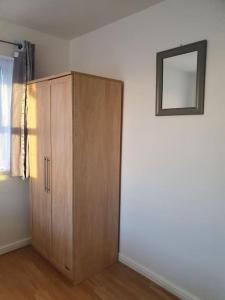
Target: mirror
x=180, y=80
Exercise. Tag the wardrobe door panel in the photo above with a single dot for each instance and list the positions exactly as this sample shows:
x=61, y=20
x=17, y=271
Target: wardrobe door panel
x=98, y=109
x=62, y=174
x=39, y=152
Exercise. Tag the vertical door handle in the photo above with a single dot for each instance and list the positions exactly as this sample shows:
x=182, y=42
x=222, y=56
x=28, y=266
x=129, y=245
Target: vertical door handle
x=48, y=176
x=45, y=174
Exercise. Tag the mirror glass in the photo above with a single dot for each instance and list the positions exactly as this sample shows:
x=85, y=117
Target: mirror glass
x=179, y=81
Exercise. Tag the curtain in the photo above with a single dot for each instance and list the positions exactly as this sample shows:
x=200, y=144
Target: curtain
x=6, y=70
x=23, y=72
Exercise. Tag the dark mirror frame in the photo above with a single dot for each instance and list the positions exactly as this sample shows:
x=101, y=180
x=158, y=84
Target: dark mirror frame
x=201, y=48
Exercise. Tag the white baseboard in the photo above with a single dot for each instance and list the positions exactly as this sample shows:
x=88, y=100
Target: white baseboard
x=14, y=246
x=161, y=281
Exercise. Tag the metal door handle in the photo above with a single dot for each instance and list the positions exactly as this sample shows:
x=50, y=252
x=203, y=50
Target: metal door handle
x=48, y=176
x=45, y=174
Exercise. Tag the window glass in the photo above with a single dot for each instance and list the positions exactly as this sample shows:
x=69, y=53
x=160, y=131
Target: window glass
x=6, y=72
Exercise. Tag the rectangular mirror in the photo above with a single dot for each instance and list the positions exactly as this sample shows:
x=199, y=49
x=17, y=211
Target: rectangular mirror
x=181, y=80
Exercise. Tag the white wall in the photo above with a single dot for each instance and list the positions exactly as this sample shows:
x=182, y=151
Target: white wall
x=173, y=169
x=51, y=58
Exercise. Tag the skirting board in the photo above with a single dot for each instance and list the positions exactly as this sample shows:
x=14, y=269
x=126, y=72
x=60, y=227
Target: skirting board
x=161, y=281
x=14, y=246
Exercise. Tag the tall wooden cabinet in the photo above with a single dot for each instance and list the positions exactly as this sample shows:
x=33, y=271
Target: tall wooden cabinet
x=74, y=123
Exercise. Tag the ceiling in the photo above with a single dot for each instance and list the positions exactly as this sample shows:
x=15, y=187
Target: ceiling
x=69, y=18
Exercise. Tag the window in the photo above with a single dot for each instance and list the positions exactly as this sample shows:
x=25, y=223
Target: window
x=6, y=72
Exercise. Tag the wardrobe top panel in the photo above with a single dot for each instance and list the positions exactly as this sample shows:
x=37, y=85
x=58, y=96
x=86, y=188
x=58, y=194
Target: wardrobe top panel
x=69, y=73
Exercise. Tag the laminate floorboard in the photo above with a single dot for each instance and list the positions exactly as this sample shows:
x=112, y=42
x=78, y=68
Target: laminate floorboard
x=24, y=275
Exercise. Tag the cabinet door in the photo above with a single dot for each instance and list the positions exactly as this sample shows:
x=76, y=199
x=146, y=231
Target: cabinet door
x=62, y=174
x=39, y=155
x=98, y=109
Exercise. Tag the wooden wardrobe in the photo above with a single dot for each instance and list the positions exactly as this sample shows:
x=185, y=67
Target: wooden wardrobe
x=74, y=143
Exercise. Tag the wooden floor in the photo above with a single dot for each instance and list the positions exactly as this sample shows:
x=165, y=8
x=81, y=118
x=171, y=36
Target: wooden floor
x=24, y=275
